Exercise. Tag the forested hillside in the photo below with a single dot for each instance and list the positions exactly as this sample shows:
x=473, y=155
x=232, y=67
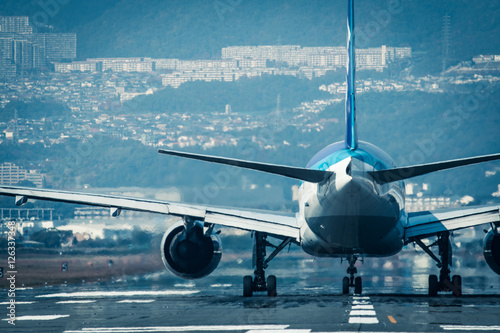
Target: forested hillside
x=413, y=127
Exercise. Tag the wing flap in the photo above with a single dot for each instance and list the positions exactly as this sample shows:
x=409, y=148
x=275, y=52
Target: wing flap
x=253, y=225
x=426, y=224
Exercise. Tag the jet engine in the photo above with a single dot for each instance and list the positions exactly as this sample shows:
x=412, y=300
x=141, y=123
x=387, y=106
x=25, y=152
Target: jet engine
x=491, y=250
x=190, y=253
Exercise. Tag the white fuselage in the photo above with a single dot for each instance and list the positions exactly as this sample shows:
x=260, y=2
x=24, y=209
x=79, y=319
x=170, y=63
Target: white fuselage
x=350, y=213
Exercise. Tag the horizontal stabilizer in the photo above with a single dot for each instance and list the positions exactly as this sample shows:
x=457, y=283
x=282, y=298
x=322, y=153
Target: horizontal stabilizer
x=391, y=175
x=308, y=175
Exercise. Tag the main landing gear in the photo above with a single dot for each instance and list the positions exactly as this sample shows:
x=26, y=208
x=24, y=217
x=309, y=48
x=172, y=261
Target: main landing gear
x=444, y=283
x=260, y=263
x=351, y=281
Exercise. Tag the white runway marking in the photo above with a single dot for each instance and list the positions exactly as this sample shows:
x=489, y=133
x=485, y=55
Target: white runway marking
x=362, y=311
x=184, y=285
x=76, y=302
x=221, y=285
x=136, y=301
x=363, y=320
x=469, y=328
x=363, y=307
x=361, y=301
x=17, y=303
x=98, y=294
x=279, y=331
x=213, y=328
x=49, y=317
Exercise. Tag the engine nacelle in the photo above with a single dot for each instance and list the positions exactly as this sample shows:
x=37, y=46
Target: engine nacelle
x=491, y=250
x=190, y=255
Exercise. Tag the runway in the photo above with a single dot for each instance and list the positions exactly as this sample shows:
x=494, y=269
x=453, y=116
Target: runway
x=183, y=309
x=309, y=300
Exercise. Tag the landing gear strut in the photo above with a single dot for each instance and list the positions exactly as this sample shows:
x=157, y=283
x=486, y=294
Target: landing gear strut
x=351, y=281
x=444, y=283
x=260, y=263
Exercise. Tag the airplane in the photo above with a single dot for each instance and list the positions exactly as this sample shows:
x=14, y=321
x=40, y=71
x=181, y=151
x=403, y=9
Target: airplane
x=351, y=206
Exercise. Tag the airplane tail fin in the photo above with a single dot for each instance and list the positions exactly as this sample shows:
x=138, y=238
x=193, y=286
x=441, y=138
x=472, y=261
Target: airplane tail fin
x=351, y=137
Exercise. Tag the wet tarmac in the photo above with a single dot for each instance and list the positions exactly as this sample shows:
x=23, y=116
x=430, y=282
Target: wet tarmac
x=182, y=309
x=309, y=300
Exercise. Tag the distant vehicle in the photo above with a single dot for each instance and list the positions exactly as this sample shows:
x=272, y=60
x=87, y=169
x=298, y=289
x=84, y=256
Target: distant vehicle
x=351, y=205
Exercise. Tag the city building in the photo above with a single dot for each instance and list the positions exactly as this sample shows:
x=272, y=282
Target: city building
x=296, y=56
x=123, y=64
x=21, y=48
x=7, y=65
x=17, y=24
x=60, y=46
x=79, y=66
x=11, y=174
x=486, y=58
x=166, y=64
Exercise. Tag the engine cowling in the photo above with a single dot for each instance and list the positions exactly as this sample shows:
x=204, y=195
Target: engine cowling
x=190, y=255
x=491, y=250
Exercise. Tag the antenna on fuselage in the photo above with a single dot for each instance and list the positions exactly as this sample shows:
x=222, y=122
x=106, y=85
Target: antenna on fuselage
x=351, y=137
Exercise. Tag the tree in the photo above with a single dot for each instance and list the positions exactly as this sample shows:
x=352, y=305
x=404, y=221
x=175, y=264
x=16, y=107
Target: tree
x=51, y=238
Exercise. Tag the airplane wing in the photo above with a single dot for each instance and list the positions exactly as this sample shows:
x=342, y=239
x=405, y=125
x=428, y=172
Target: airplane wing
x=427, y=224
x=268, y=222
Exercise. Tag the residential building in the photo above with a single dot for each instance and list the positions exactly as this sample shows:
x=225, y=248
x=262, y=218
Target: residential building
x=11, y=174
x=166, y=64
x=26, y=49
x=60, y=46
x=123, y=64
x=7, y=65
x=17, y=24
x=80, y=66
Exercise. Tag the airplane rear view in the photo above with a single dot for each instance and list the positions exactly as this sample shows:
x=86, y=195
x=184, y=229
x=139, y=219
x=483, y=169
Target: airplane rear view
x=351, y=205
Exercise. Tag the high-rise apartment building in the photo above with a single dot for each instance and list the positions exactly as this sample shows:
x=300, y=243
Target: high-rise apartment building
x=22, y=49
x=60, y=47
x=26, y=54
x=17, y=24
x=7, y=65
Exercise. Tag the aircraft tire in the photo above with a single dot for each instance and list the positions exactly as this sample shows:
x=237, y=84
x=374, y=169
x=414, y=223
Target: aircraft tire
x=345, y=285
x=433, y=285
x=271, y=286
x=456, y=282
x=358, y=287
x=247, y=286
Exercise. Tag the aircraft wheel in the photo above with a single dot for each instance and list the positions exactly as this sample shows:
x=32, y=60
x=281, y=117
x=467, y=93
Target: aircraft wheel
x=271, y=286
x=358, y=285
x=247, y=286
x=345, y=285
x=456, y=282
x=433, y=285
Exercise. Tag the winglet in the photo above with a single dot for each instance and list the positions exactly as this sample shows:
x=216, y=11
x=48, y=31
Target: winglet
x=351, y=138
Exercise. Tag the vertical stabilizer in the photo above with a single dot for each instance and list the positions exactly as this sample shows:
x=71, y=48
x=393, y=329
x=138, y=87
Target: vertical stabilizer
x=351, y=136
